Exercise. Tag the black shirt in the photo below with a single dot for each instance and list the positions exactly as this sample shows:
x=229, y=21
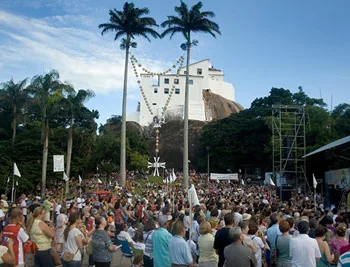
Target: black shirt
x=222, y=239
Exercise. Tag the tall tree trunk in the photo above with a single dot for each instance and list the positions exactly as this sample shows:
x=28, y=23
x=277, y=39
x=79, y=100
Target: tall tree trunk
x=123, y=130
x=69, y=153
x=14, y=123
x=45, y=154
x=185, y=156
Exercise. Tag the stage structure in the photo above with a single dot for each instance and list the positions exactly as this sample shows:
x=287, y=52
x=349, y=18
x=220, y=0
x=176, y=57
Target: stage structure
x=289, y=145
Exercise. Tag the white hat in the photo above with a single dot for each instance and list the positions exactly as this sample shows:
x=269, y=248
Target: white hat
x=246, y=216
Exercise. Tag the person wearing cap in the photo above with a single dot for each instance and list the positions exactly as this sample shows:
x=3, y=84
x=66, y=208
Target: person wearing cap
x=246, y=217
x=179, y=251
x=160, y=239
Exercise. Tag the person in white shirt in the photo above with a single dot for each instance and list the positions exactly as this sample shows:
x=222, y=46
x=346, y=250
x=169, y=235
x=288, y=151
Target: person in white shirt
x=124, y=235
x=61, y=223
x=73, y=241
x=304, y=250
x=80, y=203
x=23, y=206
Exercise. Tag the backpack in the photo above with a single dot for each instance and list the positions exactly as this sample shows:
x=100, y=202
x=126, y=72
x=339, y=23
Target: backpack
x=274, y=254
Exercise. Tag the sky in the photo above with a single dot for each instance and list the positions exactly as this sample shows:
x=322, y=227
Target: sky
x=264, y=44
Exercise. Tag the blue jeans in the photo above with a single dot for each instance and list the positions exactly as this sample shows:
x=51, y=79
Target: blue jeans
x=43, y=258
x=71, y=263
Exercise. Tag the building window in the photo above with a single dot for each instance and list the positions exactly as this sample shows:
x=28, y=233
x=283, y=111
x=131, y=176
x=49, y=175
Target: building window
x=177, y=91
x=166, y=90
x=199, y=71
x=155, y=90
x=176, y=81
x=190, y=81
x=166, y=81
x=154, y=104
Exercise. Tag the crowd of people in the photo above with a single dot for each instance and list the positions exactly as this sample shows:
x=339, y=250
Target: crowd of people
x=160, y=225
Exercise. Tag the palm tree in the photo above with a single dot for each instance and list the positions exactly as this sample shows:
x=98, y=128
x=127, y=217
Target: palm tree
x=16, y=95
x=75, y=107
x=130, y=22
x=47, y=91
x=186, y=22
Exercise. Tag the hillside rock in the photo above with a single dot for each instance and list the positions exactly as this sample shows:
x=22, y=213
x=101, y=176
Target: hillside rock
x=171, y=143
x=217, y=107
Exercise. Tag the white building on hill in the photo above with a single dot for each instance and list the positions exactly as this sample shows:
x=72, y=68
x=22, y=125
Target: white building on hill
x=202, y=76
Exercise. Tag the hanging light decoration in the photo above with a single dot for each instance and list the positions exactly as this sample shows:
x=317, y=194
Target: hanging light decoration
x=137, y=64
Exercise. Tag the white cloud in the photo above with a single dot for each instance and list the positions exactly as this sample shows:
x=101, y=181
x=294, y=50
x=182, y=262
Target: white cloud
x=83, y=57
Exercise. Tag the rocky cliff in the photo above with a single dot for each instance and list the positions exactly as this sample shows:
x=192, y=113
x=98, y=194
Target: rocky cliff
x=171, y=133
x=217, y=107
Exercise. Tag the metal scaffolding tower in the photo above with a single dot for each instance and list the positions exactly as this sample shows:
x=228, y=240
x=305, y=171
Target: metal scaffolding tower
x=289, y=145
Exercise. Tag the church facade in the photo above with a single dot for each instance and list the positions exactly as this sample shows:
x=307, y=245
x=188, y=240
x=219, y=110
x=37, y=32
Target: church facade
x=203, y=76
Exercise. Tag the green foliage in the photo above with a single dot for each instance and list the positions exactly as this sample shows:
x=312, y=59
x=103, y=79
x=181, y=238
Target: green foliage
x=244, y=139
x=130, y=22
x=138, y=161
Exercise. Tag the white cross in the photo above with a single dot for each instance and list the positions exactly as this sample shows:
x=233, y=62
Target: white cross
x=156, y=165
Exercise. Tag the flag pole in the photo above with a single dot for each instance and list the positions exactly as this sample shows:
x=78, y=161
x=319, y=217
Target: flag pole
x=190, y=197
x=315, y=198
x=13, y=188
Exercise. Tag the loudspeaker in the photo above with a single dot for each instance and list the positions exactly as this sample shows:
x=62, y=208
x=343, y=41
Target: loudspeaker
x=286, y=192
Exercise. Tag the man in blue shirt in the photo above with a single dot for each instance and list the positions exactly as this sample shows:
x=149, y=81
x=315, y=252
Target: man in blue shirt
x=180, y=253
x=160, y=239
x=273, y=231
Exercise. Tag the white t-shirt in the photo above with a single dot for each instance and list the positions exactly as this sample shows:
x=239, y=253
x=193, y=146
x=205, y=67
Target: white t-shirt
x=24, y=210
x=304, y=250
x=79, y=202
x=62, y=220
x=259, y=245
x=57, y=210
x=140, y=246
x=125, y=236
x=237, y=217
x=71, y=244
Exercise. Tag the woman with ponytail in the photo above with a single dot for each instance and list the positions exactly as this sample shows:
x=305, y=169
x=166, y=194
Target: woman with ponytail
x=73, y=242
x=41, y=234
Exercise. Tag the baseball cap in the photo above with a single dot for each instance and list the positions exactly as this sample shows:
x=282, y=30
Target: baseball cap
x=162, y=219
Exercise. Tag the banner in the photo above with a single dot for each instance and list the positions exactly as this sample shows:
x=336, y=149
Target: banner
x=224, y=176
x=58, y=163
x=340, y=178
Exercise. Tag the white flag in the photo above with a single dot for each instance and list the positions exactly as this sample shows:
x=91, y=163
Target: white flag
x=99, y=181
x=193, y=195
x=65, y=177
x=171, y=179
x=16, y=183
x=271, y=182
x=174, y=175
x=80, y=180
x=8, y=179
x=242, y=181
x=110, y=183
x=314, y=181
x=15, y=170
